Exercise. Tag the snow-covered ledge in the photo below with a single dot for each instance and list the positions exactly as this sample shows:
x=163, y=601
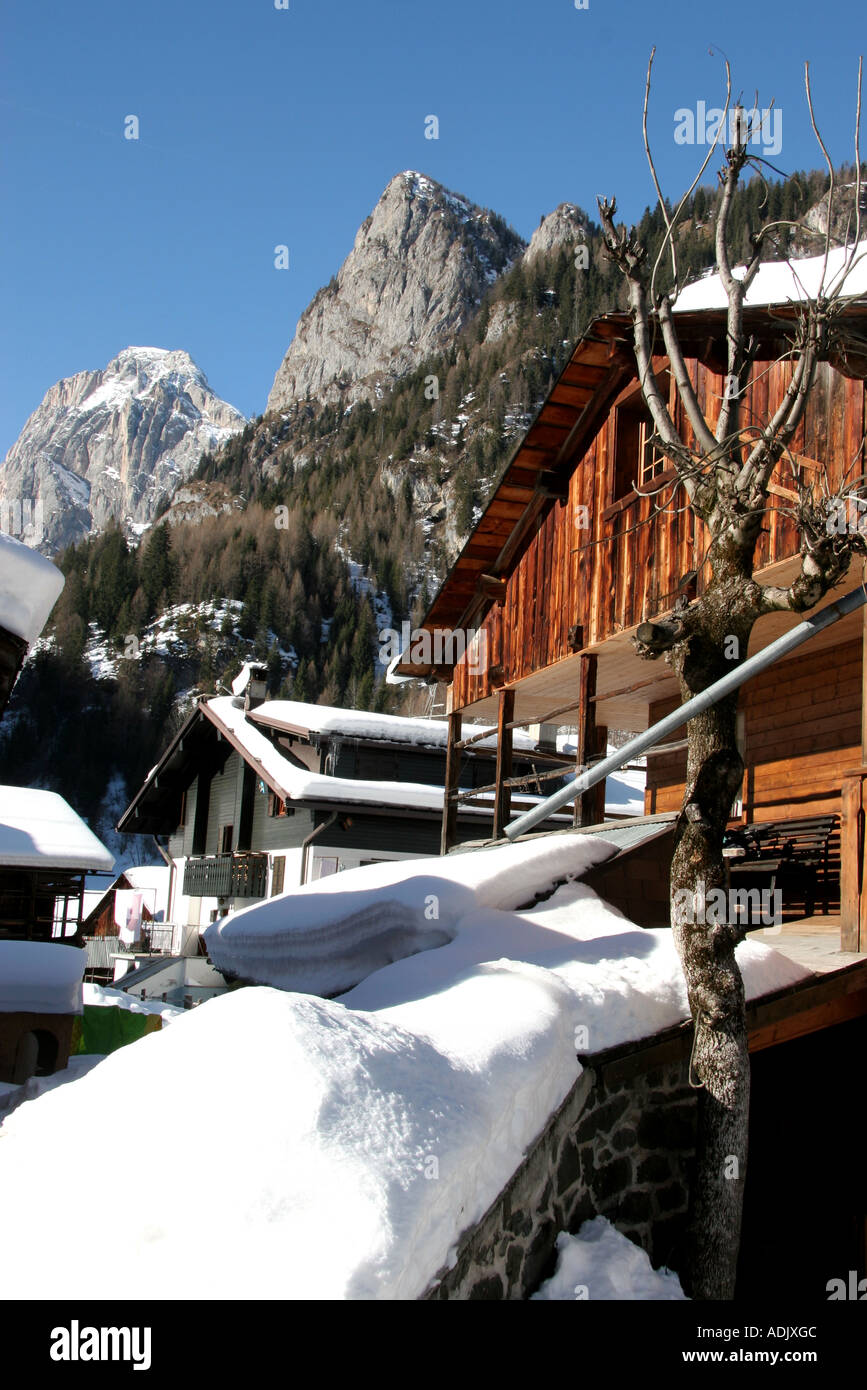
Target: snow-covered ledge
x=29, y=588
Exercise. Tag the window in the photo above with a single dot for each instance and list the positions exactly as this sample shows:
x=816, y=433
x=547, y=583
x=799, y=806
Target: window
x=278, y=873
x=226, y=839
x=182, y=818
x=325, y=866
x=638, y=460
x=278, y=807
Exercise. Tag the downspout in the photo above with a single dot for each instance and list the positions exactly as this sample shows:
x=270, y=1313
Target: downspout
x=849, y=603
x=172, y=871
x=308, y=841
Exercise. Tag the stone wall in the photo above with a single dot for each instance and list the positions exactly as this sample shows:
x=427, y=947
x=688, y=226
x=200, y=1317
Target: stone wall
x=620, y=1146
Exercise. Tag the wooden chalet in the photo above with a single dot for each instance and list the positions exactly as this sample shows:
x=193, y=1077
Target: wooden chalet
x=572, y=553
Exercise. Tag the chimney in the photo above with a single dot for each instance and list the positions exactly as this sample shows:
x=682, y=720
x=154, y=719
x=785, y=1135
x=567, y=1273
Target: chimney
x=257, y=688
x=249, y=687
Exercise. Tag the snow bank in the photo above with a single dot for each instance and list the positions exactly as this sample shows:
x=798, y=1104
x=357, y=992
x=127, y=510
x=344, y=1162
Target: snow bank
x=329, y=935
x=40, y=977
x=12, y=1096
x=97, y=996
x=40, y=830
x=783, y=282
x=340, y=1147
x=600, y=1263
x=30, y=586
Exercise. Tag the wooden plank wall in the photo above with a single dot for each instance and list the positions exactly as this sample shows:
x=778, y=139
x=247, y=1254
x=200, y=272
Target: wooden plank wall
x=802, y=731
x=625, y=568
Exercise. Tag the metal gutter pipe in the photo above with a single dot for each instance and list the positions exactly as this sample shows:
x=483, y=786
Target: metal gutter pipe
x=849, y=603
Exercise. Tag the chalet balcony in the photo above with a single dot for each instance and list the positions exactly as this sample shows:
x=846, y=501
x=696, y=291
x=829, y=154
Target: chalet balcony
x=227, y=876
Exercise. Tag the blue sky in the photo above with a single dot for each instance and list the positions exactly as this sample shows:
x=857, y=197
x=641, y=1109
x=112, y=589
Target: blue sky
x=261, y=127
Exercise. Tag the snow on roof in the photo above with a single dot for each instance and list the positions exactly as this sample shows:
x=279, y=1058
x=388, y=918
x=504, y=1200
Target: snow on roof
x=29, y=588
x=153, y=881
x=354, y=723
x=338, y=1108
x=784, y=282
x=297, y=784
x=40, y=977
x=40, y=830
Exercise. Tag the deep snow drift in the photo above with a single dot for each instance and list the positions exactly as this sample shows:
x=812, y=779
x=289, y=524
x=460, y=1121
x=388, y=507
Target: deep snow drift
x=298, y=1147
x=329, y=935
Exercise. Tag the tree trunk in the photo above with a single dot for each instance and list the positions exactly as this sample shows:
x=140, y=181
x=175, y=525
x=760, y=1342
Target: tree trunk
x=706, y=946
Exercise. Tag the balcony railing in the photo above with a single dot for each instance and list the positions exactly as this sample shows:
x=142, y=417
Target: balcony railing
x=227, y=876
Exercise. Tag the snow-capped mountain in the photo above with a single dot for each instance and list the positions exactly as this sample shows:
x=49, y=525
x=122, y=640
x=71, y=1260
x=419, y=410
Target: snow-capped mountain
x=419, y=267
x=112, y=443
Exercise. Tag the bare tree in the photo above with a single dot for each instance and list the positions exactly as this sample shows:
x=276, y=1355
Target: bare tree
x=725, y=471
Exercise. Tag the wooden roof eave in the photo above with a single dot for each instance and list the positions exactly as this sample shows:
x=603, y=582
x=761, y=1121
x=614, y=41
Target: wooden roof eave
x=501, y=544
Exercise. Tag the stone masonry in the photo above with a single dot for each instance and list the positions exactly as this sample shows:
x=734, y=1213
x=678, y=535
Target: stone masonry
x=619, y=1146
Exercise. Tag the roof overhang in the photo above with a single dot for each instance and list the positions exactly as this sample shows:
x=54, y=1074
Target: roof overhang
x=601, y=366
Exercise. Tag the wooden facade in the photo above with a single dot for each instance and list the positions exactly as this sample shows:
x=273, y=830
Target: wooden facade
x=573, y=553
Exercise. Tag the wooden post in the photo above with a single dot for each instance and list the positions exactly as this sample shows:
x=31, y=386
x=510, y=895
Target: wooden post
x=853, y=890
x=590, y=808
x=453, y=773
x=503, y=795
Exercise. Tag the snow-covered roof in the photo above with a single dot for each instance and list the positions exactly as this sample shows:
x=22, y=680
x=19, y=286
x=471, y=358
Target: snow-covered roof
x=39, y=830
x=153, y=881
x=30, y=585
x=298, y=784
x=296, y=717
x=784, y=282
x=40, y=977
x=445, y=1065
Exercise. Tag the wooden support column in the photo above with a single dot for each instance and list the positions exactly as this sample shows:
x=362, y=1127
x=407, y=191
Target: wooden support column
x=503, y=794
x=853, y=889
x=592, y=740
x=453, y=773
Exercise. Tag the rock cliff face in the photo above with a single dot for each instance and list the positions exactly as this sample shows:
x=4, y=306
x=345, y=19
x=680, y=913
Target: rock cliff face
x=111, y=443
x=565, y=225
x=419, y=267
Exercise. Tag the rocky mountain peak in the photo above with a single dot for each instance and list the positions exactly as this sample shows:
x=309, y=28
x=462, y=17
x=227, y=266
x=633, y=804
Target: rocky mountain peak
x=113, y=443
x=567, y=223
x=417, y=271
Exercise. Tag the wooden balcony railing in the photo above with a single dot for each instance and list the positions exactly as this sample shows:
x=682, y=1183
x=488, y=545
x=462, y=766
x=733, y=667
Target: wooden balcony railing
x=227, y=876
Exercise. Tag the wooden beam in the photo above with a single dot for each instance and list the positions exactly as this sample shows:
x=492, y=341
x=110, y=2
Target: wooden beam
x=493, y=588
x=551, y=484
x=452, y=778
x=853, y=898
x=503, y=795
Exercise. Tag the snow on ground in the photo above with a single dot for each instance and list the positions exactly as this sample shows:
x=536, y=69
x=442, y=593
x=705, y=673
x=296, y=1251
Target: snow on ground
x=12, y=1096
x=98, y=996
x=311, y=1125
x=600, y=1263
